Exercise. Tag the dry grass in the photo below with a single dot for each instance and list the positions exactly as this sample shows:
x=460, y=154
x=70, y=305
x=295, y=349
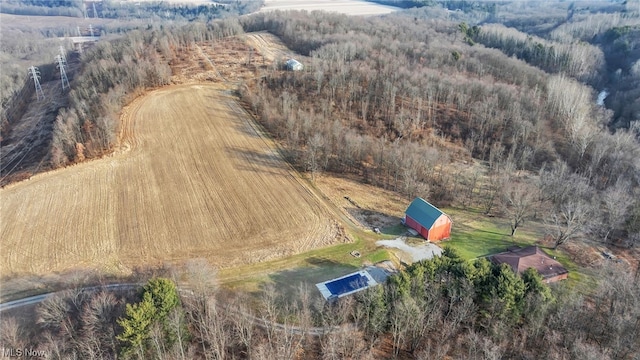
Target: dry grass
x=233, y=60
x=194, y=179
x=368, y=206
x=268, y=45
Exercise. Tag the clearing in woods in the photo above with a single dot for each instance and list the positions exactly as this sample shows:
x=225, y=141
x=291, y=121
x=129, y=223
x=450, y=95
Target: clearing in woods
x=269, y=46
x=194, y=179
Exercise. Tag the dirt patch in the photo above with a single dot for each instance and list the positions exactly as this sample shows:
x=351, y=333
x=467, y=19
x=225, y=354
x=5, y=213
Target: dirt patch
x=584, y=255
x=369, y=219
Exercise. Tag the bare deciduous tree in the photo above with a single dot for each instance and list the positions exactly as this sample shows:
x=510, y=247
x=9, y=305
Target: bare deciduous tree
x=315, y=150
x=11, y=334
x=568, y=220
x=617, y=201
x=518, y=200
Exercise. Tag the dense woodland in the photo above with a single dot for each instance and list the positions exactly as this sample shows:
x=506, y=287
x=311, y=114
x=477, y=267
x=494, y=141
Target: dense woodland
x=407, y=102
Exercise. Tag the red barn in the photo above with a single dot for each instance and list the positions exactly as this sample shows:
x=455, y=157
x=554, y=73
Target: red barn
x=427, y=220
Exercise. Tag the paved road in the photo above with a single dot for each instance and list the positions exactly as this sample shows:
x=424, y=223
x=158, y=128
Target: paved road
x=32, y=300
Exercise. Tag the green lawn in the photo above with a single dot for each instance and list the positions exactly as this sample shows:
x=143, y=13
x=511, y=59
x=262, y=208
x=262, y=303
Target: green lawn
x=310, y=267
x=578, y=276
x=475, y=235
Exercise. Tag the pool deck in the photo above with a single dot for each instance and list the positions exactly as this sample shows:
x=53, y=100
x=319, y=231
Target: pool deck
x=373, y=274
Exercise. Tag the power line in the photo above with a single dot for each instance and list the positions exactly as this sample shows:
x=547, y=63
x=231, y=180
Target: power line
x=35, y=75
x=63, y=74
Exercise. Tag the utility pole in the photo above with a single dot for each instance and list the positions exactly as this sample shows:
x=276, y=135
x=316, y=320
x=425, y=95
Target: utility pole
x=91, y=29
x=84, y=9
x=78, y=28
x=63, y=74
x=35, y=75
x=95, y=12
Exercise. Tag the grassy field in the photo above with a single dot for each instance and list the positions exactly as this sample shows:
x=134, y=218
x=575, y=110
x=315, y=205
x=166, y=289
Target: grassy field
x=475, y=235
x=194, y=180
x=306, y=268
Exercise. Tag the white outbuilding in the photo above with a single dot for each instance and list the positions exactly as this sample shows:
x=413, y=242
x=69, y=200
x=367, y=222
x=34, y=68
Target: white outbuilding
x=294, y=65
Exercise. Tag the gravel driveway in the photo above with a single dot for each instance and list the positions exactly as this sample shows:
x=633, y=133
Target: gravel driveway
x=423, y=251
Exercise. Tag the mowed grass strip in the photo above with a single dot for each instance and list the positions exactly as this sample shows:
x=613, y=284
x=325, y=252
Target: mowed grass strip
x=198, y=181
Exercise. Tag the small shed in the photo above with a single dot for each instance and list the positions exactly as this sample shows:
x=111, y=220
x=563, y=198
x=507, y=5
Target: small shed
x=427, y=220
x=294, y=65
x=520, y=259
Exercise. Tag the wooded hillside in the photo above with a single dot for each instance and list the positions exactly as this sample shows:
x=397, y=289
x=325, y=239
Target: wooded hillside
x=399, y=100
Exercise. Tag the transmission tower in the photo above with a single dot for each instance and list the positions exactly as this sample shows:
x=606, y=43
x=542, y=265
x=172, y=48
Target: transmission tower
x=35, y=75
x=63, y=52
x=63, y=74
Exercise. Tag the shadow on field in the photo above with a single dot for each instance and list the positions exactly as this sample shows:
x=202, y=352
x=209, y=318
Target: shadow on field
x=242, y=125
x=288, y=282
x=259, y=161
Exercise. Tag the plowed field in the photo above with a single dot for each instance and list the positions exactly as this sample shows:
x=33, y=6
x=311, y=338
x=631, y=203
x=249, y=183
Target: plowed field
x=194, y=179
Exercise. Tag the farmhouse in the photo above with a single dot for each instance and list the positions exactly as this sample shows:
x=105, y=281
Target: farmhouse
x=427, y=220
x=294, y=65
x=520, y=259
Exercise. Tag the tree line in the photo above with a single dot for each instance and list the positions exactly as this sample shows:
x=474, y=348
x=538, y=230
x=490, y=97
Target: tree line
x=435, y=309
x=578, y=60
x=123, y=10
